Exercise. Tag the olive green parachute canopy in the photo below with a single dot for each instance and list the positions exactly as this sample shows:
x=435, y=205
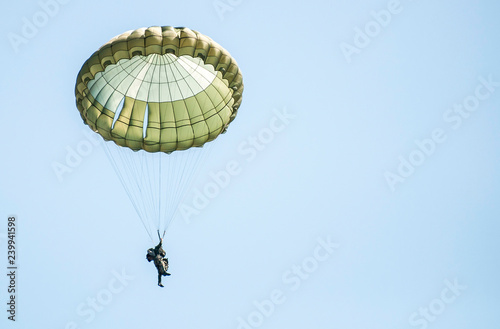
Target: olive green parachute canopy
x=159, y=89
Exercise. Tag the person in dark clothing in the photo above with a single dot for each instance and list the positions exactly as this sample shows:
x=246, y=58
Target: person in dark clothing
x=156, y=254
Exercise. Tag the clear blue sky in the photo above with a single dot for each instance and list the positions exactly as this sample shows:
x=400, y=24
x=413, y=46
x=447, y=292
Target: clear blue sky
x=390, y=152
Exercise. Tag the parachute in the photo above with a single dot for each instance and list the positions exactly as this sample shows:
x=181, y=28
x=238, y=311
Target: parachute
x=160, y=94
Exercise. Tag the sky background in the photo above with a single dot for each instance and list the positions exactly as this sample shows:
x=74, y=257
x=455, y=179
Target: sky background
x=354, y=120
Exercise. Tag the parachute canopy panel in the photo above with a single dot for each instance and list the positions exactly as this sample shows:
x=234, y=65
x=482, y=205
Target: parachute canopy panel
x=160, y=89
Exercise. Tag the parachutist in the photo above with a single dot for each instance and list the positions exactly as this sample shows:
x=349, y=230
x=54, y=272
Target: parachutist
x=157, y=253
